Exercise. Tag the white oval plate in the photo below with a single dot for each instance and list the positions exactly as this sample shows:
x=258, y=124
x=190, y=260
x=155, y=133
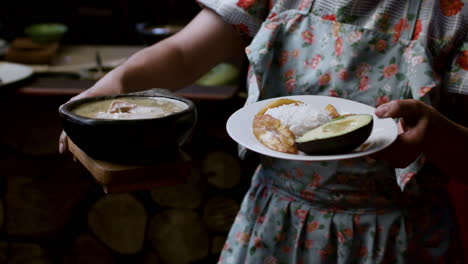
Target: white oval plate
x=13, y=72
x=384, y=132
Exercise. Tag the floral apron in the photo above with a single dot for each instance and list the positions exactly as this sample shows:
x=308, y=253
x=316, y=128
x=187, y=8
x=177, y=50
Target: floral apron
x=350, y=211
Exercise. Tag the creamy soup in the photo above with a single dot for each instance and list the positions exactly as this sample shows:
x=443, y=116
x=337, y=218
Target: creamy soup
x=130, y=108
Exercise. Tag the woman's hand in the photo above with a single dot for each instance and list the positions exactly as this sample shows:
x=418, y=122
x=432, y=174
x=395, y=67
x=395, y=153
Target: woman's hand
x=109, y=84
x=425, y=130
x=417, y=119
x=63, y=142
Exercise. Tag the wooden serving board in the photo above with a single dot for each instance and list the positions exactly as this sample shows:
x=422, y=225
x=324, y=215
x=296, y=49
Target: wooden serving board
x=125, y=178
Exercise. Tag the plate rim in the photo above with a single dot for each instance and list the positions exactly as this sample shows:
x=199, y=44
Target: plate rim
x=28, y=72
x=299, y=157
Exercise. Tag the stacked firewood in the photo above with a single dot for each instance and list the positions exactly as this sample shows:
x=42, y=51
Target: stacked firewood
x=53, y=212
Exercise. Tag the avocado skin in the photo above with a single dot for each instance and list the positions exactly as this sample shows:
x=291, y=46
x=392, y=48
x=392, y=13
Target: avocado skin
x=338, y=144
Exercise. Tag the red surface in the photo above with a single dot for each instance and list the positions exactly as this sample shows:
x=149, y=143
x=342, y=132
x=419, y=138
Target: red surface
x=459, y=195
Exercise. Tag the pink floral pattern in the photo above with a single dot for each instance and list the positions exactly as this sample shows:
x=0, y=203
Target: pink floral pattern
x=308, y=37
x=362, y=70
x=382, y=100
x=390, y=70
x=364, y=83
x=325, y=79
x=401, y=26
x=381, y=45
x=314, y=62
x=354, y=36
x=462, y=60
x=246, y=4
x=333, y=93
x=343, y=74
x=339, y=46
x=451, y=7
x=331, y=17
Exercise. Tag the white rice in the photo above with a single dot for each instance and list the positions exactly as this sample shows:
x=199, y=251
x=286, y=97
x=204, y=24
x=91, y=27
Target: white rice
x=299, y=118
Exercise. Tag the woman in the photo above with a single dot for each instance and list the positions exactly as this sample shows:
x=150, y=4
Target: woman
x=351, y=211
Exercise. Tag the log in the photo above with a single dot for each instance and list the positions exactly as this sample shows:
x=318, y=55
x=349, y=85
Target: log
x=1, y=214
x=41, y=195
x=3, y=252
x=86, y=249
x=119, y=221
x=219, y=213
x=181, y=196
x=151, y=257
x=216, y=128
x=40, y=114
x=27, y=253
x=179, y=236
x=217, y=244
x=221, y=169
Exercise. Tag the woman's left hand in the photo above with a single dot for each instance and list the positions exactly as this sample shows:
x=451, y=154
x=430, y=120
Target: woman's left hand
x=415, y=119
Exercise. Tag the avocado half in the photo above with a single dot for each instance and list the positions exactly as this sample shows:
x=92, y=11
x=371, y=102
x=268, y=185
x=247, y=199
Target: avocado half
x=340, y=135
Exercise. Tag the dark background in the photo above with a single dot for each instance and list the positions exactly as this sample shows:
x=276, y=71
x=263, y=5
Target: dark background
x=94, y=22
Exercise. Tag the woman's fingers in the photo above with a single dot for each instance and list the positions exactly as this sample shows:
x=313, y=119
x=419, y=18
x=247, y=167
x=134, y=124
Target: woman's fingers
x=63, y=144
x=404, y=150
x=408, y=109
x=63, y=139
x=414, y=120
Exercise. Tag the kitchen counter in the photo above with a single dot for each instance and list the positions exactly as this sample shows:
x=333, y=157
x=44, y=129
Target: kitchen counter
x=63, y=76
x=71, y=87
x=73, y=58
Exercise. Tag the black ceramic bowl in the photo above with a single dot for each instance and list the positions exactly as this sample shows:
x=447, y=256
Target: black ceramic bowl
x=130, y=141
x=151, y=34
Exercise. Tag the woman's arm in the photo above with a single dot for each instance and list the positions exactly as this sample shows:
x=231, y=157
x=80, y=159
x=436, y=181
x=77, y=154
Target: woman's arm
x=425, y=130
x=176, y=61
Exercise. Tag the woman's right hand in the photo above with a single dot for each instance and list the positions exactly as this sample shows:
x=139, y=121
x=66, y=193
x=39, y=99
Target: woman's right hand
x=109, y=84
x=63, y=142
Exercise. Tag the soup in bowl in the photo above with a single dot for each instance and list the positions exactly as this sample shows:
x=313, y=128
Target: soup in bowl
x=130, y=108
x=134, y=128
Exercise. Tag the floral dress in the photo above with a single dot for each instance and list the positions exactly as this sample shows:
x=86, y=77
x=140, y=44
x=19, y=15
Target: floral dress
x=350, y=211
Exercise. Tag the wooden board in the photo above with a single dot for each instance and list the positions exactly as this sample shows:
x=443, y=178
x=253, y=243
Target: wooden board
x=125, y=178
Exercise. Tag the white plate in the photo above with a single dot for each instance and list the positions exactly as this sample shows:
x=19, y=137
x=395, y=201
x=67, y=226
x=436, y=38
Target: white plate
x=13, y=72
x=384, y=132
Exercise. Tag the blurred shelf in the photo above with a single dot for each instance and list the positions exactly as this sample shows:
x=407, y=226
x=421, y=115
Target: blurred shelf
x=62, y=77
x=80, y=57
x=69, y=87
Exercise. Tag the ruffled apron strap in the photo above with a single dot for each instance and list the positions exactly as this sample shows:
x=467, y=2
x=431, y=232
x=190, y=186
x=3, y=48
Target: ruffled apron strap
x=412, y=5
x=404, y=175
